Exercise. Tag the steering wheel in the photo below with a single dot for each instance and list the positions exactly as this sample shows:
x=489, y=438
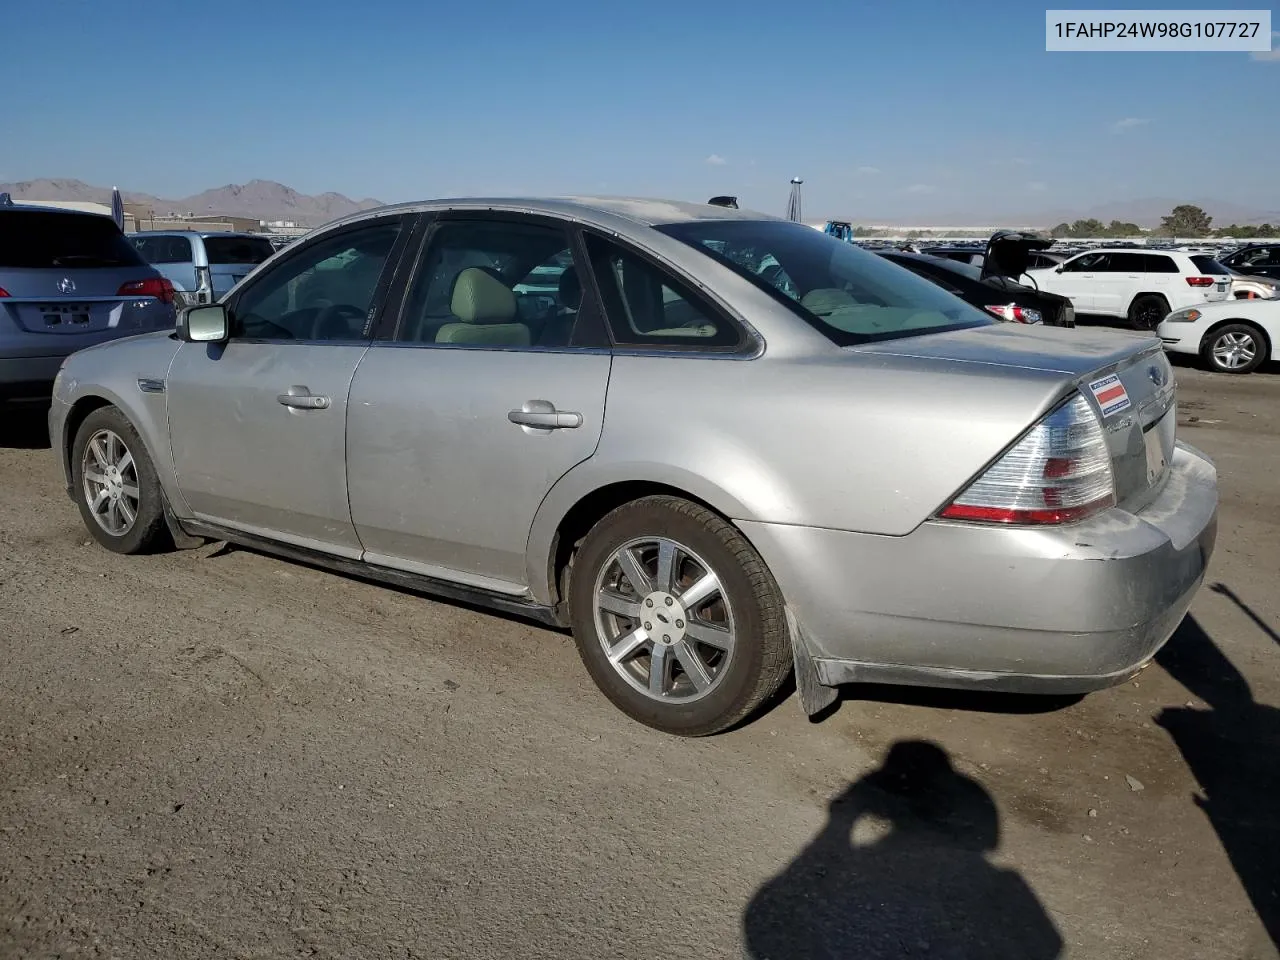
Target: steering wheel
x=331, y=313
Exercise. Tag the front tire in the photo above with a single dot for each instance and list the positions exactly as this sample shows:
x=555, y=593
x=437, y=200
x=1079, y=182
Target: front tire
x=115, y=482
x=676, y=617
x=1146, y=311
x=1236, y=348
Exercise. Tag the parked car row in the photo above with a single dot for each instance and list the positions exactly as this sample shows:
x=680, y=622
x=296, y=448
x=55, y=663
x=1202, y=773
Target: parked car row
x=202, y=266
x=68, y=280
x=716, y=446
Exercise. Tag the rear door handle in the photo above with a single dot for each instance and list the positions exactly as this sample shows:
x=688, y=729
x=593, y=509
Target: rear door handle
x=543, y=415
x=301, y=398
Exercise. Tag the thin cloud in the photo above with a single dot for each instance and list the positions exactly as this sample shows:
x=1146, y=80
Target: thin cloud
x=867, y=171
x=716, y=160
x=1128, y=123
x=1273, y=54
x=921, y=188
x=1037, y=186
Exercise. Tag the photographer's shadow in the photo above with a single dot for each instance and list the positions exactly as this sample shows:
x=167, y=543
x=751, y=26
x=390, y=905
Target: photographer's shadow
x=901, y=869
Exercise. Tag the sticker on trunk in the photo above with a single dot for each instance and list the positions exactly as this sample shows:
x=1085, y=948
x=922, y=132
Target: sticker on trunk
x=1110, y=394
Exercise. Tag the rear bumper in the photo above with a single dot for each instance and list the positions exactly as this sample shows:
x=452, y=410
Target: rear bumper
x=1067, y=609
x=28, y=377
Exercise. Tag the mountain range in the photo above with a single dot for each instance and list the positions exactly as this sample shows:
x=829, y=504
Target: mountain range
x=268, y=200
x=259, y=199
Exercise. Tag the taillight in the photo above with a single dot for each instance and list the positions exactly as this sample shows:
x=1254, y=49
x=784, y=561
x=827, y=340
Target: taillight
x=157, y=287
x=1059, y=472
x=1011, y=311
x=3, y=292
x=1201, y=281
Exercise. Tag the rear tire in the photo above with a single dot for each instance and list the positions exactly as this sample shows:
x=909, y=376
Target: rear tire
x=1238, y=347
x=1146, y=311
x=676, y=617
x=115, y=484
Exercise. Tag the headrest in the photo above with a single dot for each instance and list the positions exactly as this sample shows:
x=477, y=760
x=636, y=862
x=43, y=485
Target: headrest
x=479, y=297
x=570, y=289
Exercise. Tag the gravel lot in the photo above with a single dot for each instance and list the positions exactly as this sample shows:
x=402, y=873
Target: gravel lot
x=219, y=754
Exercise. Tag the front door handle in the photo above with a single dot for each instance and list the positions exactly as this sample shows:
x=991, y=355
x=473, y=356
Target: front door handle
x=543, y=415
x=301, y=398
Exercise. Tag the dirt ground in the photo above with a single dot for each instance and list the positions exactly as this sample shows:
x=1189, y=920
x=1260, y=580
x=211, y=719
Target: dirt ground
x=219, y=754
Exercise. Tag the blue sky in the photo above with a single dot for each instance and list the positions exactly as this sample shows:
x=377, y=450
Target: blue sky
x=887, y=109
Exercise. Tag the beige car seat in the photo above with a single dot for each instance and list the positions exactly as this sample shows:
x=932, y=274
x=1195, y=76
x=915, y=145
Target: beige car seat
x=485, y=308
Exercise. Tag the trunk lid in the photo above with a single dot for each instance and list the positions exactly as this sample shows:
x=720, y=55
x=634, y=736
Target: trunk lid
x=1126, y=378
x=69, y=302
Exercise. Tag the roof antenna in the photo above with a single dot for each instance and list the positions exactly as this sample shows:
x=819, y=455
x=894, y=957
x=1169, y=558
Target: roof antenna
x=731, y=202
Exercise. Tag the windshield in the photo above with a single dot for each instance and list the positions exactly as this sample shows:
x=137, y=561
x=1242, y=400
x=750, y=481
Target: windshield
x=238, y=249
x=848, y=294
x=32, y=239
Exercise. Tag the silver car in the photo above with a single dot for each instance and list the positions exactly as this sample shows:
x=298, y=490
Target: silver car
x=715, y=445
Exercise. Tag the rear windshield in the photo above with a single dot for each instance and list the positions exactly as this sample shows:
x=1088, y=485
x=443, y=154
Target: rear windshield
x=32, y=239
x=238, y=249
x=1209, y=265
x=850, y=295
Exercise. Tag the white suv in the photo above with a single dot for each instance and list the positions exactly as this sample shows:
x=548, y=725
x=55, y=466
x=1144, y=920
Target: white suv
x=1143, y=286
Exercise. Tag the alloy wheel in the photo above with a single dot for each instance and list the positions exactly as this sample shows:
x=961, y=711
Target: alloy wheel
x=664, y=619
x=1231, y=351
x=110, y=479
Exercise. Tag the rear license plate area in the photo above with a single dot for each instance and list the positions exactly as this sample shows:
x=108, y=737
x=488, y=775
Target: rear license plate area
x=65, y=314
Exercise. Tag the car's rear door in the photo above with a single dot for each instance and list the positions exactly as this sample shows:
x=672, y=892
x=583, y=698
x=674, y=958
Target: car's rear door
x=491, y=387
x=258, y=425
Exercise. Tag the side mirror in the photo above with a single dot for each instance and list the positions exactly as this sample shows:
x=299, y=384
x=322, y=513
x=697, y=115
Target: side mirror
x=208, y=324
x=1057, y=269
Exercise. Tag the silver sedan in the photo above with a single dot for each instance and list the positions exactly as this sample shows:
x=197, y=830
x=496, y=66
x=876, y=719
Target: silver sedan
x=715, y=445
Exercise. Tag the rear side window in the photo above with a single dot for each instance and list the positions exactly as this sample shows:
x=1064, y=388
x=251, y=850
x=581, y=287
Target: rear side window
x=647, y=307
x=1159, y=264
x=248, y=250
x=34, y=240
x=1128, y=263
x=1209, y=265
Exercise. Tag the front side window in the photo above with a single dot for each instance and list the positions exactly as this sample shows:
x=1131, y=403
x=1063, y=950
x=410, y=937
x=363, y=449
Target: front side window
x=848, y=294
x=1086, y=263
x=324, y=292
x=1257, y=257
x=497, y=284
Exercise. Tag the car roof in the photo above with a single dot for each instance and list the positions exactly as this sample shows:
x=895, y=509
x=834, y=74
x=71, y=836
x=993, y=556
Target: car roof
x=38, y=208
x=600, y=211
x=197, y=233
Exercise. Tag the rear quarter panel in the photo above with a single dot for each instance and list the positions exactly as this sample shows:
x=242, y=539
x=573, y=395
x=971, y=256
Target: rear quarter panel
x=854, y=442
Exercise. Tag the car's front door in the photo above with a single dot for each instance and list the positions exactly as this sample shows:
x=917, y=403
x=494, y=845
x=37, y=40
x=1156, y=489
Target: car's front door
x=1257, y=262
x=490, y=390
x=257, y=425
x=1077, y=280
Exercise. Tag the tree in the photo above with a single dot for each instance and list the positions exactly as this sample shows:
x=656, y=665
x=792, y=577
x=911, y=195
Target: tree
x=1087, y=228
x=1061, y=230
x=1122, y=228
x=1186, y=220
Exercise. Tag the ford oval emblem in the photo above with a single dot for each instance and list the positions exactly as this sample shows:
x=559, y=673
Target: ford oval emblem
x=1156, y=375
x=66, y=286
